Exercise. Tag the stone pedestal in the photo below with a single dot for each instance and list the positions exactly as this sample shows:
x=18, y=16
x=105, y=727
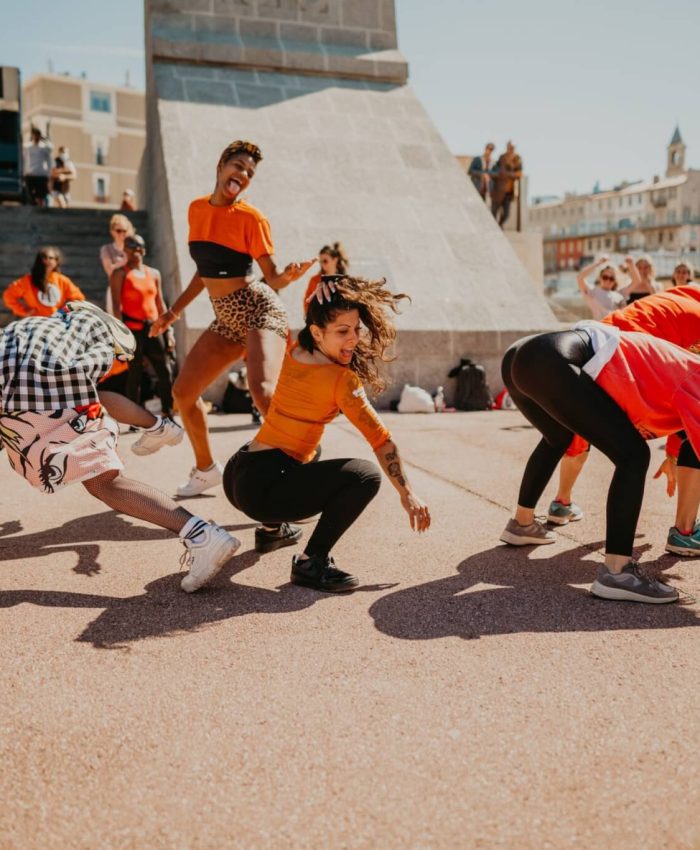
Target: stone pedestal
x=350, y=155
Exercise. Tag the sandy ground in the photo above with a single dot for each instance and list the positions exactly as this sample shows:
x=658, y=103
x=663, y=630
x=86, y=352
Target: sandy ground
x=468, y=695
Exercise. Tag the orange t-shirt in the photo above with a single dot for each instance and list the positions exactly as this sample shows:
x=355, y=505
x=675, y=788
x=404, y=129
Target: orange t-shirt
x=307, y=398
x=657, y=384
x=673, y=315
x=310, y=289
x=223, y=240
x=138, y=297
x=24, y=299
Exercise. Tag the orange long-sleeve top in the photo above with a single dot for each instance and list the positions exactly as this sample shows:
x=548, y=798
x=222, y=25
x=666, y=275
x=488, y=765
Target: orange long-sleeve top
x=673, y=315
x=657, y=384
x=24, y=299
x=307, y=398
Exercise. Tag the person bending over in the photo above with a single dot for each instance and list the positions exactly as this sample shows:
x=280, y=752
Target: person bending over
x=56, y=431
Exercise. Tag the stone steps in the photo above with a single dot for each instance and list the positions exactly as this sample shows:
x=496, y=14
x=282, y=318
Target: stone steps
x=79, y=233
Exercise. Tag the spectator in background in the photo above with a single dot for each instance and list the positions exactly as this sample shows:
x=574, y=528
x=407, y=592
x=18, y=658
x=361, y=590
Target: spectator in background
x=37, y=167
x=136, y=291
x=112, y=255
x=44, y=289
x=128, y=201
x=69, y=173
x=505, y=174
x=683, y=275
x=602, y=297
x=480, y=170
x=645, y=282
x=333, y=259
x=62, y=173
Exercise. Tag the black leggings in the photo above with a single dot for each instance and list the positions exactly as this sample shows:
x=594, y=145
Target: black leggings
x=272, y=487
x=544, y=378
x=152, y=347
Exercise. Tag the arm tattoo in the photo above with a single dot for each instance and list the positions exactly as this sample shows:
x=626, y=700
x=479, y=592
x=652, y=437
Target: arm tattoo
x=394, y=470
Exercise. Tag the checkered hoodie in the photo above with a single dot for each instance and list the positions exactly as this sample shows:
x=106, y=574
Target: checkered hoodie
x=54, y=362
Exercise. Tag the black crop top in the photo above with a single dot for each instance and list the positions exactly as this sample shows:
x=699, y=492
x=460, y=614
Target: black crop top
x=213, y=260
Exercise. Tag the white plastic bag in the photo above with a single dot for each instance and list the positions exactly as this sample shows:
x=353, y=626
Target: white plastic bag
x=415, y=400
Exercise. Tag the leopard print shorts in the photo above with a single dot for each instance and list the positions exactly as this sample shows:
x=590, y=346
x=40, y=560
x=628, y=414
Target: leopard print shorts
x=255, y=306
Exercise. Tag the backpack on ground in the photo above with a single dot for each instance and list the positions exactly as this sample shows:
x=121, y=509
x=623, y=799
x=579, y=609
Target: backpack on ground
x=236, y=396
x=472, y=391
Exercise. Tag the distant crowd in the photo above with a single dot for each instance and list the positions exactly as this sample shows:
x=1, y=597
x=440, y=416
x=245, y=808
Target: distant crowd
x=48, y=178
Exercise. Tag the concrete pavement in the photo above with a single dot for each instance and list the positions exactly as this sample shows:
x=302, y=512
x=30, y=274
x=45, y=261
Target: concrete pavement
x=467, y=695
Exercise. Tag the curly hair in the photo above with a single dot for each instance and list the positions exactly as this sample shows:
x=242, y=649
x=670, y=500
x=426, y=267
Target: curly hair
x=240, y=146
x=373, y=300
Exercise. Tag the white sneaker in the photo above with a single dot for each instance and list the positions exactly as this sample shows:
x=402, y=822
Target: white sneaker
x=205, y=555
x=201, y=480
x=169, y=434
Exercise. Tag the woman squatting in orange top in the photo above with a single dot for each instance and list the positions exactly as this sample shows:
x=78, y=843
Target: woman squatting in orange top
x=625, y=388
x=225, y=235
x=272, y=478
x=44, y=290
x=673, y=315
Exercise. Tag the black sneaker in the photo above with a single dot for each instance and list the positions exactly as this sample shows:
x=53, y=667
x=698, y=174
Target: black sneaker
x=286, y=535
x=321, y=573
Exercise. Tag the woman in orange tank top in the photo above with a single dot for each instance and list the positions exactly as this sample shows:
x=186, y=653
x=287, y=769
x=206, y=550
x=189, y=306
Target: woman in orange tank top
x=136, y=289
x=225, y=235
x=274, y=480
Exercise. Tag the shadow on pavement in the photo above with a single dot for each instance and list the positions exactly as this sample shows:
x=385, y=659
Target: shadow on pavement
x=165, y=610
x=80, y=535
x=531, y=595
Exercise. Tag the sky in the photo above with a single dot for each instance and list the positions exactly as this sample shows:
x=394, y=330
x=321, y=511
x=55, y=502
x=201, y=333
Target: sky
x=588, y=92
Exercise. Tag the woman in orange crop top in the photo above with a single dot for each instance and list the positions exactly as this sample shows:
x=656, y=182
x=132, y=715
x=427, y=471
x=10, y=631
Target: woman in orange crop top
x=273, y=480
x=136, y=290
x=226, y=234
x=333, y=260
x=44, y=290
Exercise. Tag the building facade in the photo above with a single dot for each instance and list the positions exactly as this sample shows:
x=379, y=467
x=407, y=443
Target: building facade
x=661, y=215
x=104, y=128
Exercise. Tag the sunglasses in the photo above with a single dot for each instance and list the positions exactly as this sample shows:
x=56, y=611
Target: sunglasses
x=49, y=257
x=682, y=270
x=119, y=229
x=607, y=277
x=134, y=246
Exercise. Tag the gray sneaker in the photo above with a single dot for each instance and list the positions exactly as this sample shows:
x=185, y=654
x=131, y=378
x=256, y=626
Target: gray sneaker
x=631, y=585
x=527, y=535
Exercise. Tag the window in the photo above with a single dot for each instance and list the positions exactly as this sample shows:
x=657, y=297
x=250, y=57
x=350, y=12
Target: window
x=590, y=244
x=101, y=188
x=99, y=155
x=100, y=102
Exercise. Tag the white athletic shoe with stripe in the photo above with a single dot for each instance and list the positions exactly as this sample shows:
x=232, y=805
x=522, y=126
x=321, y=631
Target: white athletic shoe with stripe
x=207, y=548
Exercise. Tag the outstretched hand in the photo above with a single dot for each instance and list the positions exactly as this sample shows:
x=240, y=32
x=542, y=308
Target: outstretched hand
x=293, y=271
x=417, y=510
x=668, y=468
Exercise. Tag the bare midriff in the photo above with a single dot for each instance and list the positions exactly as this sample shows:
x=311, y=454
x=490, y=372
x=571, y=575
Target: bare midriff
x=219, y=288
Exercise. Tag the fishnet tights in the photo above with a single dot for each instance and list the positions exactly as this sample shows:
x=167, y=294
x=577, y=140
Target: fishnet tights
x=138, y=500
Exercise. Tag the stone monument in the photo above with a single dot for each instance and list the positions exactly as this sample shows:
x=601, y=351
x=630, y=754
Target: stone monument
x=350, y=155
